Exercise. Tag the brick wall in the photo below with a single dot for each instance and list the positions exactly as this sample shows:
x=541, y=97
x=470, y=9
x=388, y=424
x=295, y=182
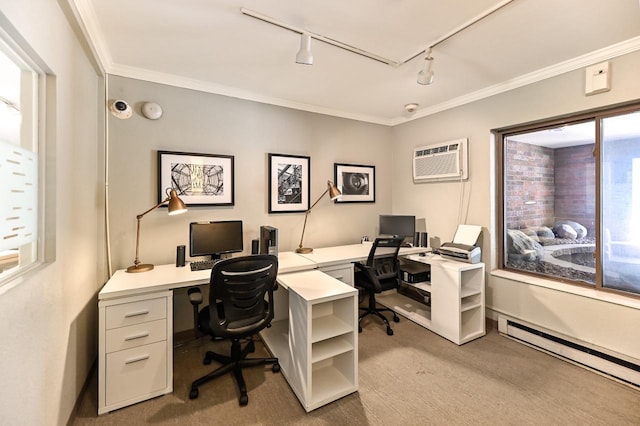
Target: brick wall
x=575, y=178
x=529, y=188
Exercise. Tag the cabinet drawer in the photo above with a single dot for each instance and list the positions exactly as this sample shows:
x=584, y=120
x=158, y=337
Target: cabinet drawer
x=135, y=312
x=342, y=273
x=136, y=372
x=136, y=335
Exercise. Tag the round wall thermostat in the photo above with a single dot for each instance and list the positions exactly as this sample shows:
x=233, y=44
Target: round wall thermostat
x=151, y=110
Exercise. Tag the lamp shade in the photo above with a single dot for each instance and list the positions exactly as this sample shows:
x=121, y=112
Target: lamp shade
x=176, y=206
x=334, y=192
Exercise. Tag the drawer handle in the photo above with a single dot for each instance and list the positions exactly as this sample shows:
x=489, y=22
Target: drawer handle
x=136, y=336
x=339, y=277
x=136, y=314
x=137, y=359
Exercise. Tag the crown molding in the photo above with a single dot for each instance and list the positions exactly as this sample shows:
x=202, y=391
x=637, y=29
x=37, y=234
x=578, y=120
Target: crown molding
x=88, y=23
x=610, y=52
x=219, y=89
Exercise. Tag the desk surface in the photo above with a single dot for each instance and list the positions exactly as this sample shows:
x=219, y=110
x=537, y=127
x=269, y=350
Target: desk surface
x=167, y=277
x=327, y=256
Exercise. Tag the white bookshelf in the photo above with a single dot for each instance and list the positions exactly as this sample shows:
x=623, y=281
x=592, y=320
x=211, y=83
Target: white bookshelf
x=457, y=302
x=320, y=331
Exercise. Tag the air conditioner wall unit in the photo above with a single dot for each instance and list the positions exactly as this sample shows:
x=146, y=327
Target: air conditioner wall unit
x=441, y=162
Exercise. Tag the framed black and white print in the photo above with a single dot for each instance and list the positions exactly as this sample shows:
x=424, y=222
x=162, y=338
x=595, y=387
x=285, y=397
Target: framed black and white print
x=357, y=183
x=199, y=179
x=289, y=183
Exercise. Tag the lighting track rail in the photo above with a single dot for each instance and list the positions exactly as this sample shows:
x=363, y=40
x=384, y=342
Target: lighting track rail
x=365, y=53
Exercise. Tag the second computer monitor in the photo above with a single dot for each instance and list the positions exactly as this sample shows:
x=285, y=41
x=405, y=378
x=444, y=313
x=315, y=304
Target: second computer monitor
x=215, y=238
x=398, y=226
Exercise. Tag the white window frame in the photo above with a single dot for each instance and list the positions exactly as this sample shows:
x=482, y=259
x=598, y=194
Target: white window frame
x=33, y=110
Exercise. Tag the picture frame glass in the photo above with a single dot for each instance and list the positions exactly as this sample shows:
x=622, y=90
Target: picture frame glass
x=199, y=179
x=356, y=182
x=288, y=183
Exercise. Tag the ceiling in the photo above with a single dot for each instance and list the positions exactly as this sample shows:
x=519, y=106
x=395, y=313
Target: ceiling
x=210, y=45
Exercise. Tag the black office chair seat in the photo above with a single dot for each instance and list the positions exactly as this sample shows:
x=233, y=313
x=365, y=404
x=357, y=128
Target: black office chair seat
x=237, y=310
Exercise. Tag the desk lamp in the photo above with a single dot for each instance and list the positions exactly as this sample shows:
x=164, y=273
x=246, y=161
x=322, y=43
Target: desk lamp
x=333, y=194
x=176, y=206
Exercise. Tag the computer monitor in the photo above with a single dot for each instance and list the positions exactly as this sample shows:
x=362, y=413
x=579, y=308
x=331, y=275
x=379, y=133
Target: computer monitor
x=398, y=226
x=215, y=238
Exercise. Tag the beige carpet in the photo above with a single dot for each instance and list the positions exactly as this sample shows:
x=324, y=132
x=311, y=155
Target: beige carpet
x=414, y=377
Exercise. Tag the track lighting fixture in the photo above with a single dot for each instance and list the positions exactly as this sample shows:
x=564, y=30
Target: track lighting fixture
x=304, y=55
x=425, y=76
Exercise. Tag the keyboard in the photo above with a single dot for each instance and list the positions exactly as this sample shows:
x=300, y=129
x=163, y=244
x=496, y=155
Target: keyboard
x=202, y=265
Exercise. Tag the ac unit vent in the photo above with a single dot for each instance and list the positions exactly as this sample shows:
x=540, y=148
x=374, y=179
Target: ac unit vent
x=444, y=161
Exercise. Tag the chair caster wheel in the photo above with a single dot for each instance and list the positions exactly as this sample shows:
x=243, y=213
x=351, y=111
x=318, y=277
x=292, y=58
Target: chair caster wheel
x=389, y=331
x=396, y=319
x=275, y=368
x=193, y=394
x=244, y=400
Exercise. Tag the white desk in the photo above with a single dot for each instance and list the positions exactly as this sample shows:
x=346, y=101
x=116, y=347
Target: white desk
x=314, y=331
x=135, y=347
x=338, y=261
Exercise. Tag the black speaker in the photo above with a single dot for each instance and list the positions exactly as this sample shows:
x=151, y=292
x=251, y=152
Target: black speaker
x=180, y=253
x=421, y=239
x=255, y=246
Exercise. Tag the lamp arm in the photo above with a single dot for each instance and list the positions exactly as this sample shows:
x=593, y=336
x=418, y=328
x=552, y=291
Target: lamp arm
x=318, y=200
x=153, y=208
x=306, y=215
x=136, y=261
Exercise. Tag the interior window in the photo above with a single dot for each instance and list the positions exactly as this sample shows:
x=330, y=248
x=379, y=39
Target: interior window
x=19, y=210
x=570, y=192
x=621, y=202
x=550, y=202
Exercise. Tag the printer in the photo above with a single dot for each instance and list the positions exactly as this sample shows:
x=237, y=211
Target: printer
x=461, y=252
x=463, y=247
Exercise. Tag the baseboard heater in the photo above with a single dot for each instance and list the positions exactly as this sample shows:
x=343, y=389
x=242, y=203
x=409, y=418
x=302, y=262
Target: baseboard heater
x=597, y=359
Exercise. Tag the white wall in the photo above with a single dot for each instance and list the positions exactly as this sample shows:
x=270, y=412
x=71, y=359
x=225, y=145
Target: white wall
x=48, y=317
x=206, y=123
x=603, y=323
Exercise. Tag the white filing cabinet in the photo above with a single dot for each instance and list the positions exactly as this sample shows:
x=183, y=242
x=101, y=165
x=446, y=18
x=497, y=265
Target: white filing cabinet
x=135, y=356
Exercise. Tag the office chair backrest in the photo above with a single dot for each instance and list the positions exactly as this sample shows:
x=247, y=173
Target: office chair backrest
x=383, y=257
x=237, y=294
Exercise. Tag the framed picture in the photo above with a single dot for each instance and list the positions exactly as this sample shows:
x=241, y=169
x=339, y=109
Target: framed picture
x=199, y=179
x=289, y=183
x=357, y=183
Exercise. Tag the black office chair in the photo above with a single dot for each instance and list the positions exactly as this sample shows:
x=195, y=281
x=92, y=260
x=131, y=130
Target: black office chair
x=237, y=309
x=380, y=273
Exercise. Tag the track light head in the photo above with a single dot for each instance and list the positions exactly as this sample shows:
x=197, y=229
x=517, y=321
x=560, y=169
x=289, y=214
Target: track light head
x=425, y=76
x=304, y=55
